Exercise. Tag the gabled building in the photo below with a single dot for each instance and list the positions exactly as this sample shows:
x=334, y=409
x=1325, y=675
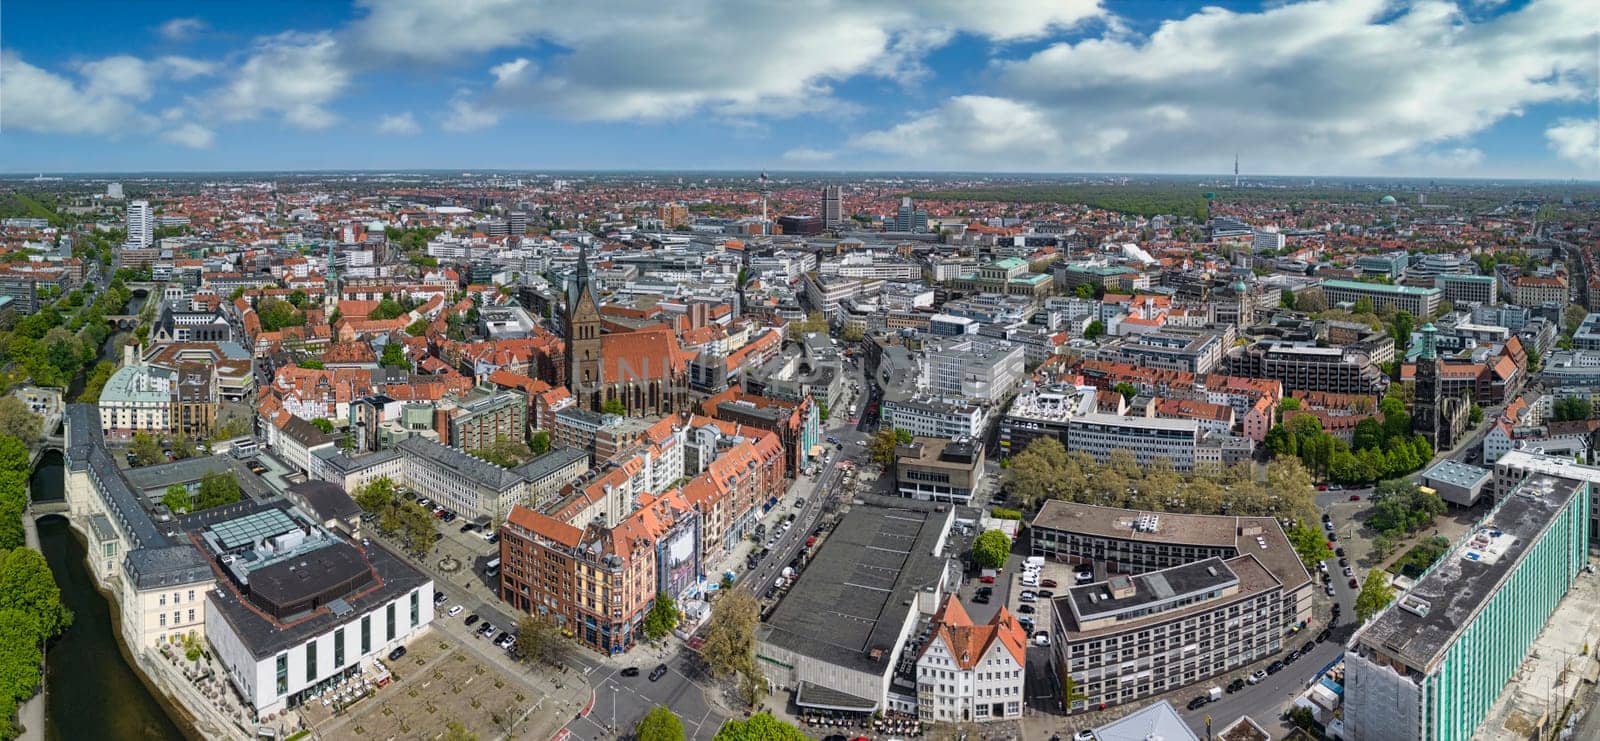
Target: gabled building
x=970, y=672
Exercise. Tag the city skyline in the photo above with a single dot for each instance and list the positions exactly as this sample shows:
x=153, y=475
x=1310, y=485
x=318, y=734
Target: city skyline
x=1343, y=88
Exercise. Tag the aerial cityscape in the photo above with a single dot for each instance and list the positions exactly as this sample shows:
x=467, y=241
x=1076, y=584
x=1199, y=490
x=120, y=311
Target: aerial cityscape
x=1080, y=370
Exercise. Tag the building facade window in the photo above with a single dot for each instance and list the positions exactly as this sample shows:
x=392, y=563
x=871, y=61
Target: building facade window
x=311, y=662
x=366, y=634
x=283, y=674
x=389, y=621
x=415, y=612
x=338, y=648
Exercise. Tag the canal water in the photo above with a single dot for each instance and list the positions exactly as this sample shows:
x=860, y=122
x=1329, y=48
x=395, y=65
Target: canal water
x=93, y=692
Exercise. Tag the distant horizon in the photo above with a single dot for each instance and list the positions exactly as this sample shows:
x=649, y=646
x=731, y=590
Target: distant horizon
x=1474, y=89
x=753, y=174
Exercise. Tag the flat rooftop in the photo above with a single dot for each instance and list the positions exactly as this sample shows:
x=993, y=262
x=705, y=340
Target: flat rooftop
x=1379, y=287
x=1167, y=528
x=1423, y=624
x=1143, y=591
x=850, y=603
x=1456, y=473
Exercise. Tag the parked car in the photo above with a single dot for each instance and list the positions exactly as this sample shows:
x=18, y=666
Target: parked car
x=397, y=653
x=1199, y=702
x=471, y=619
x=1256, y=677
x=469, y=527
x=1051, y=583
x=1328, y=588
x=1339, y=551
x=982, y=599
x=1025, y=609
x=1349, y=571
x=1353, y=583
x=1344, y=561
x=439, y=598
x=1235, y=686
x=986, y=579
x=454, y=611
x=1041, y=638
x=1045, y=594
x=631, y=671
x=1355, y=497
x=1323, y=636
x=1274, y=667
x=658, y=672
x=1306, y=647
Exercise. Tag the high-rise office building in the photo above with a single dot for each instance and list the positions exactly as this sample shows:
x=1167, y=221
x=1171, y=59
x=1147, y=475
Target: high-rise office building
x=909, y=218
x=832, y=206
x=141, y=224
x=114, y=190
x=518, y=221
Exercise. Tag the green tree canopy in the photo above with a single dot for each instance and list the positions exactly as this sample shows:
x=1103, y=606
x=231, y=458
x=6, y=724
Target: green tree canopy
x=1309, y=544
x=1376, y=593
x=660, y=724
x=758, y=727
x=539, y=442
x=614, y=406
x=27, y=585
x=662, y=618
x=990, y=549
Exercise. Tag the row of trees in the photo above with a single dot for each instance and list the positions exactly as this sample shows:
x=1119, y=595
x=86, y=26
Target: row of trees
x=1045, y=470
x=1377, y=450
x=31, y=611
x=399, y=516
x=729, y=649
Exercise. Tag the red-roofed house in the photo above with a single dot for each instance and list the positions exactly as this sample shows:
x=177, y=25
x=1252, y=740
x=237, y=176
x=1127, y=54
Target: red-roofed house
x=971, y=672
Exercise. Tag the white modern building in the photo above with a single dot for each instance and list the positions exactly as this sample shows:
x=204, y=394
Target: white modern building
x=137, y=398
x=969, y=672
x=302, y=608
x=141, y=224
x=1148, y=438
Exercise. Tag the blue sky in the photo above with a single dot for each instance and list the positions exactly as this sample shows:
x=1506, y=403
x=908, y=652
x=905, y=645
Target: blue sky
x=1488, y=88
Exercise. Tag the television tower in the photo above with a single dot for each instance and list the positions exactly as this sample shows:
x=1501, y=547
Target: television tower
x=766, y=190
x=1235, y=169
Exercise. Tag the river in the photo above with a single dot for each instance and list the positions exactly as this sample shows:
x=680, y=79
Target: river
x=110, y=350
x=93, y=692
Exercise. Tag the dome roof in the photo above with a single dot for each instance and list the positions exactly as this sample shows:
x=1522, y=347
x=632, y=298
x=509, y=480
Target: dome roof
x=1386, y=200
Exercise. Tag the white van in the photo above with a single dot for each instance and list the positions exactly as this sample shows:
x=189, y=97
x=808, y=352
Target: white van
x=1034, y=561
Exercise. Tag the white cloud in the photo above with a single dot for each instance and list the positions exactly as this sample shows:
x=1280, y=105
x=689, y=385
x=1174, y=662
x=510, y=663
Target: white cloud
x=34, y=99
x=1577, y=140
x=627, y=60
x=1332, y=86
x=403, y=124
x=181, y=29
x=512, y=72
x=292, y=74
x=119, y=76
x=808, y=155
x=465, y=116
x=191, y=135
x=183, y=68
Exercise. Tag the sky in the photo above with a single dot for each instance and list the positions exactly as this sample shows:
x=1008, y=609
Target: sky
x=1473, y=88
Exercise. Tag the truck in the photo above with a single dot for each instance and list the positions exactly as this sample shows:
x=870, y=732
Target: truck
x=987, y=576
x=1215, y=693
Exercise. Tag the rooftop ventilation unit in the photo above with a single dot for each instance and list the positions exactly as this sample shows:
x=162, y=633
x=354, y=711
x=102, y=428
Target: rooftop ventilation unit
x=1416, y=606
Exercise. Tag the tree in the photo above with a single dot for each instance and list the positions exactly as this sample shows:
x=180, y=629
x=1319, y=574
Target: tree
x=377, y=495
x=454, y=731
x=990, y=549
x=1401, y=507
x=614, y=406
x=21, y=656
x=324, y=424
x=730, y=644
x=880, y=449
x=660, y=724
x=758, y=727
x=1569, y=408
x=146, y=449
x=217, y=489
x=26, y=584
x=1127, y=390
x=394, y=356
x=1376, y=593
x=1475, y=415
x=1094, y=330
x=176, y=499
x=504, y=452
x=312, y=364
x=852, y=333
x=1311, y=301
x=1400, y=329
x=417, y=328
x=275, y=314
x=1309, y=543
x=662, y=618
x=388, y=308
x=537, y=639
x=1083, y=291
x=14, y=455
x=539, y=443
x=17, y=420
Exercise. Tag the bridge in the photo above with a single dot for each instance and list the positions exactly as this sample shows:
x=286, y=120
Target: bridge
x=124, y=321
x=143, y=286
